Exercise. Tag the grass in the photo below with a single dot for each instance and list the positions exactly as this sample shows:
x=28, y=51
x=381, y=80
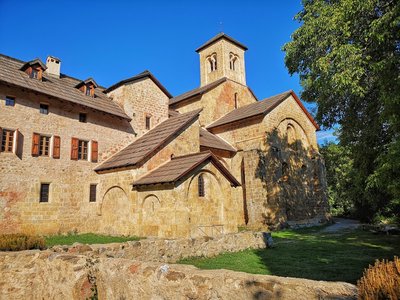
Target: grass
x=86, y=238
x=309, y=253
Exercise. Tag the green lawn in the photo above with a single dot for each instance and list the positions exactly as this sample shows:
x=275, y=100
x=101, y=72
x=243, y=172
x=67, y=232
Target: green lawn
x=86, y=238
x=309, y=253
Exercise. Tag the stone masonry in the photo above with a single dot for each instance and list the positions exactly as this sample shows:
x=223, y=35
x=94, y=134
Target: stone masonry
x=271, y=175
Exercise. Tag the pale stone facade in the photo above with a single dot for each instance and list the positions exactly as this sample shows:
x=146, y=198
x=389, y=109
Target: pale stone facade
x=273, y=177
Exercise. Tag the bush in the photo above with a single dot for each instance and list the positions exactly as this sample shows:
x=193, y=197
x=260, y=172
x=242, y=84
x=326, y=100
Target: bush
x=381, y=281
x=18, y=242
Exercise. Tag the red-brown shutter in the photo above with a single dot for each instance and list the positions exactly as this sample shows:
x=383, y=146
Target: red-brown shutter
x=15, y=142
x=56, y=146
x=74, y=148
x=95, y=151
x=35, y=144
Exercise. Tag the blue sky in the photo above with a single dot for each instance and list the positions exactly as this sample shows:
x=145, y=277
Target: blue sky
x=113, y=40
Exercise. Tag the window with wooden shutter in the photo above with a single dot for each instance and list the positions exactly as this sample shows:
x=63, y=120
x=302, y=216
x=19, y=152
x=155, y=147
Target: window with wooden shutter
x=56, y=146
x=95, y=151
x=35, y=144
x=74, y=148
x=15, y=142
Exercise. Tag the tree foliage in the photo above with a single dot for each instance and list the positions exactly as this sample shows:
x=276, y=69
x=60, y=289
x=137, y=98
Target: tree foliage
x=339, y=170
x=347, y=55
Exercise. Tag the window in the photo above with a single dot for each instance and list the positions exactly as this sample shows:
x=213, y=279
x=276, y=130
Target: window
x=88, y=90
x=212, y=62
x=148, y=122
x=44, y=192
x=7, y=140
x=236, y=100
x=82, y=150
x=44, y=145
x=34, y=73
x=44, y=109
x=201, y=185
x=41, y=145
x=291, y=137
x=10, y=101
x=92, y=195
x=233, y=58
x=82, y=117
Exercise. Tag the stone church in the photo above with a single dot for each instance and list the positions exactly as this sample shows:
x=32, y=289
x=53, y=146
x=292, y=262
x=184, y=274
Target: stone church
x=131, y=159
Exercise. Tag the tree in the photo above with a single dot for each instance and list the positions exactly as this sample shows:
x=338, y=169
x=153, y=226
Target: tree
x=339, y=170
x=347, y=55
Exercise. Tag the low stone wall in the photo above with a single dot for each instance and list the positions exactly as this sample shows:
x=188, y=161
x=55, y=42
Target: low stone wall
x=161, y=250
x=50, y=275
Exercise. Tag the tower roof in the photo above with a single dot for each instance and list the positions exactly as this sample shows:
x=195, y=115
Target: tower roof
x=219, y=36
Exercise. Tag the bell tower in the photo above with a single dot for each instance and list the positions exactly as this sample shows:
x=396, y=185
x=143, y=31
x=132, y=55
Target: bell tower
x=222, y=56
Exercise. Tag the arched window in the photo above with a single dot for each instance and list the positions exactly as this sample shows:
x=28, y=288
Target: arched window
x=233, y=58
x=291, y=136
x=212, y=62
x=201, y=185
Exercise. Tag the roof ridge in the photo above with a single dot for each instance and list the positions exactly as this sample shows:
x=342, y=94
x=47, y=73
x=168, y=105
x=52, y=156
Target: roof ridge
x=145, y=73
x=219, y=36
x=197, y=91
x=192, y=154
x=192, y=115
x=60, y=88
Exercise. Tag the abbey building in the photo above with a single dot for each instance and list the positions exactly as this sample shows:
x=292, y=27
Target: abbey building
x=131, y=159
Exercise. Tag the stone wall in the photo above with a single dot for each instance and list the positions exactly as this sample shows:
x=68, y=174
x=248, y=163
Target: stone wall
x=222, y=49
x=162, y=250
x=217, y=102
x=273, y=198
x=48, y=275
x=139, y=99
x=20, y=177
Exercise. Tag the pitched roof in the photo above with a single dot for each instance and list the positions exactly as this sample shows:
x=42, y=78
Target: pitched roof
x=219, y=36
x=36, y=61
x=89, y=80
x=137, y=77
x=178, y=167
x=260, y=108
x=207, y=139
x=61, y=88
x=197, y=91
x=142, y=149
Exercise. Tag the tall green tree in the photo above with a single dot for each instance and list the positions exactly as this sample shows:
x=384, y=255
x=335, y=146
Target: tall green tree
x=339, y=173
x=347, y=55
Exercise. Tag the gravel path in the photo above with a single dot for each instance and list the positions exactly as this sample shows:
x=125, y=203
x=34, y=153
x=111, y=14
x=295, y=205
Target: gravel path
x=342, y=224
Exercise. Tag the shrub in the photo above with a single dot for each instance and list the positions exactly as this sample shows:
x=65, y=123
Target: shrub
x=381, y=281
x=17, y=242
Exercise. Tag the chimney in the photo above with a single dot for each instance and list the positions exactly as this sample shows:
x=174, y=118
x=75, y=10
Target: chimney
x=53, y=65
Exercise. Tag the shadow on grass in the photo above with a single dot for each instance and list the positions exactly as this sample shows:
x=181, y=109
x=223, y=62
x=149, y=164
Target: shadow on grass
x=326, y=256
x=309, y=253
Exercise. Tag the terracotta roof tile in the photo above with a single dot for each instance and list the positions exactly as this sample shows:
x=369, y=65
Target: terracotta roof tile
x=61, y=88
x=178, y=167
x=149, y=143
x=207, y=139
